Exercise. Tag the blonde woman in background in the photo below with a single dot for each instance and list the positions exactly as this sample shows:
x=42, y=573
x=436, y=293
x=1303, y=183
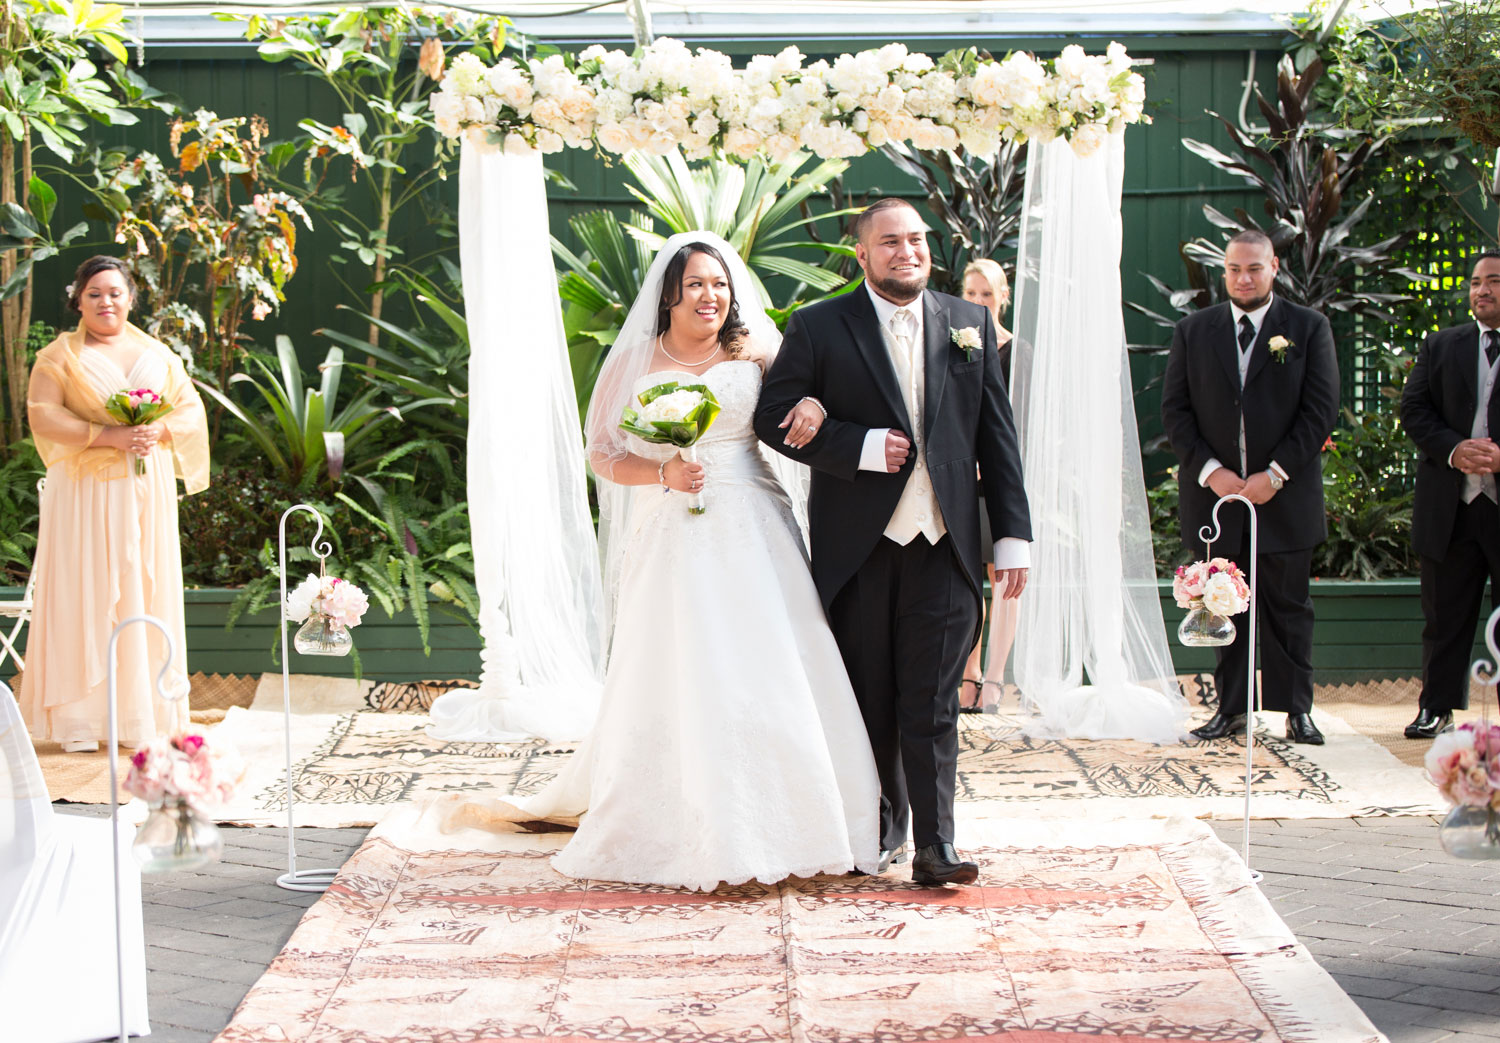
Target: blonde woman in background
x=107, y=544
x=985, y=283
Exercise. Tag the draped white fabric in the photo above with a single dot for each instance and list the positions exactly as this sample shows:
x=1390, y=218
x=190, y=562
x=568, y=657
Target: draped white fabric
x=535, y=559
x=1091, y=601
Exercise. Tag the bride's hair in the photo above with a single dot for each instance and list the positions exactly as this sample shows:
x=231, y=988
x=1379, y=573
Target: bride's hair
x=732, y=333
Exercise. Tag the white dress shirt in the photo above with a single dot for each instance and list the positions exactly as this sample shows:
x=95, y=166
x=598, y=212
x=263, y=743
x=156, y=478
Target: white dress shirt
x=1256, y=317
x=1010, y=551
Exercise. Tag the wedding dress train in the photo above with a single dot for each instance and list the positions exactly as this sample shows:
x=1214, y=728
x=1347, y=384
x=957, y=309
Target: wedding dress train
x=729, y=745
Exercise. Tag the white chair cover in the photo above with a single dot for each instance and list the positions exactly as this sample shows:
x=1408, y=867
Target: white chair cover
x=57, y=946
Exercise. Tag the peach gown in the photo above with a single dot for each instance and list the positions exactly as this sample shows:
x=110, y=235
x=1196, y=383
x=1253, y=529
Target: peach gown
x=108, y=547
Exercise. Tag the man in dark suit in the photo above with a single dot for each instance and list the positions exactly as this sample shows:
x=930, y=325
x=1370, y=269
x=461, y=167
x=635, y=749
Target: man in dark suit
x=1451, y=411
x=1250, y=396
x=909, y=384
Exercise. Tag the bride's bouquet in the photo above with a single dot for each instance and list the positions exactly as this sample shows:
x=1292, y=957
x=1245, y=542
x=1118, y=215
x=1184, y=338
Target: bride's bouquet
x=674, y=414
x=135, y=407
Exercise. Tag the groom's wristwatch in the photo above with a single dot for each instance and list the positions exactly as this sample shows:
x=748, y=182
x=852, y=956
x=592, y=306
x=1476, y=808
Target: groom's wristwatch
x=1275, y=479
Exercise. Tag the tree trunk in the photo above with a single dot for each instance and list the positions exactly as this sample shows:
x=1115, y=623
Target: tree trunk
x=15, y=312
x=377, y=299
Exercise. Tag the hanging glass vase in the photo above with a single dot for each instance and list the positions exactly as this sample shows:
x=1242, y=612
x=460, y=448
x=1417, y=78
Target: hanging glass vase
x=1470, y=832
x=318, y=636
x=175, y=836
x=1200, y=628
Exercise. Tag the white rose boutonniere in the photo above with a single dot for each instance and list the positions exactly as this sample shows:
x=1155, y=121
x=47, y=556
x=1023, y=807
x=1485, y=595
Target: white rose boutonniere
x=967, y=339
x=1278, y=345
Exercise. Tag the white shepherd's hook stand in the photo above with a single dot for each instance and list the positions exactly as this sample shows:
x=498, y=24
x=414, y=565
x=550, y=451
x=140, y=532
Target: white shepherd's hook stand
x=1487, y=671
x=177, y=692
x=1208, y=534
x=295, y=879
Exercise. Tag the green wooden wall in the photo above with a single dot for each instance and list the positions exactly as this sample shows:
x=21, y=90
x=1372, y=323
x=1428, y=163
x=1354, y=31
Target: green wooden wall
x=1363, y=631
x=1165, y=185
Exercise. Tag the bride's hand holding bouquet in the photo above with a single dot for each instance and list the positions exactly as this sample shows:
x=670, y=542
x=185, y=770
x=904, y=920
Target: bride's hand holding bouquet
x=675, y=414
x=138, y=409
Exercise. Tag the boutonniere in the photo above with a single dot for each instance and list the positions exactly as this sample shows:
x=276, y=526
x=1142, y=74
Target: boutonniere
x=1278, y=345
x=967, y=339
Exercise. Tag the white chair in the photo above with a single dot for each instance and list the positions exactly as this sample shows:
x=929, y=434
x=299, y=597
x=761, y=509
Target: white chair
x=58, y=977
x=20, y=610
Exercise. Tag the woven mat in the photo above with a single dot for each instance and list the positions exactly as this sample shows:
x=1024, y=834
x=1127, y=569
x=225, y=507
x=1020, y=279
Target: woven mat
x=83, y=778
x=352, y=769
x=1127, y=931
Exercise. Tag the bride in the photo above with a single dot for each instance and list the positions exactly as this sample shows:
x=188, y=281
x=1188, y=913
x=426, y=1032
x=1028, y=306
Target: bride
x=728, y=745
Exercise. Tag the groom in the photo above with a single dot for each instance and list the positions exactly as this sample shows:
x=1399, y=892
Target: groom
x=912, y=396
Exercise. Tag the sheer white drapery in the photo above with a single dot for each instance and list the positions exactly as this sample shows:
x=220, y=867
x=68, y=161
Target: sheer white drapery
x=1091, y=602
x=535, y=558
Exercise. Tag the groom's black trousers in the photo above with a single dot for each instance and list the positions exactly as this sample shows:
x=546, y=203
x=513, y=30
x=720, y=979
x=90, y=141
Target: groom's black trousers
x=1285, y=625
x=905, y=624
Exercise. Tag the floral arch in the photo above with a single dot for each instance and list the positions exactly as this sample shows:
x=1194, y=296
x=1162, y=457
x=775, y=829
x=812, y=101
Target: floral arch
x=535, y=556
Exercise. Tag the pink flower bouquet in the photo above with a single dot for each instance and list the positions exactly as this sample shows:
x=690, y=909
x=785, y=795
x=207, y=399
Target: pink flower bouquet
x=187, y=767
x=340, y=602
x=1464, y=764
x=134, y=408
x=1217, y=585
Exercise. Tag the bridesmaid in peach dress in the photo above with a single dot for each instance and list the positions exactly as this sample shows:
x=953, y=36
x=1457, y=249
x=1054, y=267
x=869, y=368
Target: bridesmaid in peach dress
x=108, y=546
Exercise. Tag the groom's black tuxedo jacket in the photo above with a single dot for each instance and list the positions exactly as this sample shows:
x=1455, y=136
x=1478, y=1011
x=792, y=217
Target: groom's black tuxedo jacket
x=1289, y=408
x=1437, y=408
x=834, y=351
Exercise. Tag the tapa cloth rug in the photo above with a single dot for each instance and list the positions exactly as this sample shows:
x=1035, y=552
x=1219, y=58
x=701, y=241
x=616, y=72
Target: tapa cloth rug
x=351, y=769
x=1136, y=931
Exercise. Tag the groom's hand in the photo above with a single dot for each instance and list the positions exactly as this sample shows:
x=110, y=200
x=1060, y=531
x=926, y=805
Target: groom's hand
x=1009, y=583
x=897, y=449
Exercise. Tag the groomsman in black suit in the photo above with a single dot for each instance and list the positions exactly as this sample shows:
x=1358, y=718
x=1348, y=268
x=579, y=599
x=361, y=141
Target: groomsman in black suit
x=1450, y=410
x=1250, y=396
x=912, y=396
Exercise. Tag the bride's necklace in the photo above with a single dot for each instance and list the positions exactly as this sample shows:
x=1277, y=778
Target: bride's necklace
x=662, y=345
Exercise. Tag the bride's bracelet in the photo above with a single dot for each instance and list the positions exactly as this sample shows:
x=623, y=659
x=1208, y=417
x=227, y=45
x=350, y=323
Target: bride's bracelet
x=661, y=476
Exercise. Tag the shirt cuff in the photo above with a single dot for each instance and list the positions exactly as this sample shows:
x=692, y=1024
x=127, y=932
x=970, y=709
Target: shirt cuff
x=1012, y=552
x=1208, y=469
x=872, y=456
x=1280, y=471
x=1450, y=454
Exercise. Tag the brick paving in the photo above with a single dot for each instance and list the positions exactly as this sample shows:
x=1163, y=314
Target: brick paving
x=1411, y=934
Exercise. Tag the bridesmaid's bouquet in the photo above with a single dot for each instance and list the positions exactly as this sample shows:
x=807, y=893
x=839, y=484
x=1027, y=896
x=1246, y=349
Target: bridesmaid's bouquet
x=134, y=408
x=674, y=414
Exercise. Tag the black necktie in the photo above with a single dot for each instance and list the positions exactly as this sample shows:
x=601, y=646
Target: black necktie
x=1247, y=333
x=1491, y=345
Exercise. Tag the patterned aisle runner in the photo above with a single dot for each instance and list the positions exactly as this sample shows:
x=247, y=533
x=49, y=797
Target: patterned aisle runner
x=1131, y=931
x=352, y=768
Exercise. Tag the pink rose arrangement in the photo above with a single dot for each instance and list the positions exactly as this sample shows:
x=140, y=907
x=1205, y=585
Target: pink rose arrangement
x=340, y=602
x=1464, y=764
x=1217, y=585
x=136, y=407
x=188, y=767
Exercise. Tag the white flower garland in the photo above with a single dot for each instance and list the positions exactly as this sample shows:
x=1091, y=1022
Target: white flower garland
x=667, y=96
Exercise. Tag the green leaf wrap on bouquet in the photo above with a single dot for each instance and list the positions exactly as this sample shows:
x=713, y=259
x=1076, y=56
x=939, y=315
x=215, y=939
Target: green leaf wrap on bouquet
x=680, y=430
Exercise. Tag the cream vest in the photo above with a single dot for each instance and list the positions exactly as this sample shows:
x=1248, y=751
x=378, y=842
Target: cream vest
x=917, y=511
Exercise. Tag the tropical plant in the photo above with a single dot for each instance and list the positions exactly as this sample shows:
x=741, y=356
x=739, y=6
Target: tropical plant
x=208, y=246
x=309, y=436
x=19, y=509
x=752, y=206
x=365, y=56
x=423, y=367
x=50, y=88
x=1367, y=489
x=978, y=200
x=1304, y=171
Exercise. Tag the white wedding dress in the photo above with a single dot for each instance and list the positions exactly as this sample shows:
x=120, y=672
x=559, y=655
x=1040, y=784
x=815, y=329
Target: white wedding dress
x=728, y=746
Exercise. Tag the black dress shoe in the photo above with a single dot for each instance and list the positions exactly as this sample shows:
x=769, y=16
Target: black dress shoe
x=1428, y=724
x=1300, y=728
x=1220, y=725
x=939, y=864
x=887, y=858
